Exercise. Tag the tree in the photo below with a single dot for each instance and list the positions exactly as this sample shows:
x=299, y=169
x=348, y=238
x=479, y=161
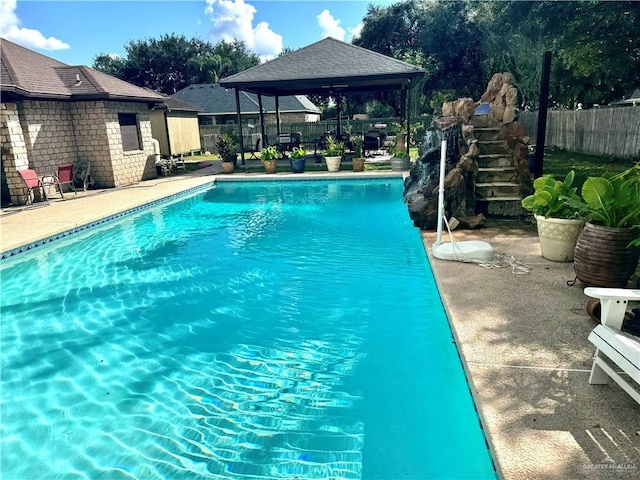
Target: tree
x=172, y=62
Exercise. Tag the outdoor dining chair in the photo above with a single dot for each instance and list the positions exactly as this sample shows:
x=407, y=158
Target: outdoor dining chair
x=64, y=177
x=32, y=181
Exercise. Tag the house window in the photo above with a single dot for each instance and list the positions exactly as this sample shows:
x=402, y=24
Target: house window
x=129, y=131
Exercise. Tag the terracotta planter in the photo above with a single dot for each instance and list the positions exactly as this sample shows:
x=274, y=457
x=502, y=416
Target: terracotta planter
x=602, y=257
x=333, y=163
x=270, y=166
x=358, y=164
x=558, y=237
x=227, y=167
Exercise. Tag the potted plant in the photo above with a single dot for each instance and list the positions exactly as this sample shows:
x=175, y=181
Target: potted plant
x=559, y=222
x=606, y=253
x=297, y=159
x=269, y=158
x=400, y=159
x=228, y=151
x=358, y=159
x=333, y=154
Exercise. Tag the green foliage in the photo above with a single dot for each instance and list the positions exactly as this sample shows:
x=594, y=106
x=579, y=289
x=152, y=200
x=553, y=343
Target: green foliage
x=227, y=148
x=357, y=145
x=334, y=148
x=171, y=62
x=270, y=153
x=613, y=200
x=553, y=198
x=298, y=152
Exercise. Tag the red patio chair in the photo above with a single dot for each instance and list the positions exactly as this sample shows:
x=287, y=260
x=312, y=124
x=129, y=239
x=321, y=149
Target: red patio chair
x=64, y=177
x=32, y=181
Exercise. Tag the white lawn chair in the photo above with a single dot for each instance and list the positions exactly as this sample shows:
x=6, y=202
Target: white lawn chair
x=615, y=349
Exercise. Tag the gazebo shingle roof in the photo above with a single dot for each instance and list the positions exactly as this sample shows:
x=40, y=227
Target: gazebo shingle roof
x=323, y=67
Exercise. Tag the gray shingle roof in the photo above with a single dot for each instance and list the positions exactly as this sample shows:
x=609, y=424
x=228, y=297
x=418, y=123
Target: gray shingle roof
x=327, y=65
x=216, y=100
x=28, y=74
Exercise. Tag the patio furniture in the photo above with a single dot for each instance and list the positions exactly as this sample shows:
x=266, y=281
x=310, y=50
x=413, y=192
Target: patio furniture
x=62, y=178
x=615, y=349
x=32, y=181
x=81, y=173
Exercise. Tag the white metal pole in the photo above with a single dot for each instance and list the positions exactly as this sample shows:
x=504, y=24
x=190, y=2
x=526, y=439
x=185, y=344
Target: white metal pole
x=443, y=162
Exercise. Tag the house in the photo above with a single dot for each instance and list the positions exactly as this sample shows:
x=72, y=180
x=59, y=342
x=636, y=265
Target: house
x=54, y=114
x=175, y=125
x=218, y=106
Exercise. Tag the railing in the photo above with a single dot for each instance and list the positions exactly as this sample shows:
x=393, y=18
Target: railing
x=309, y=131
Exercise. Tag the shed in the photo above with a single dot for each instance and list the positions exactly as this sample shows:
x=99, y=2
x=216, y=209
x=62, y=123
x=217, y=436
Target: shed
x=175, y=125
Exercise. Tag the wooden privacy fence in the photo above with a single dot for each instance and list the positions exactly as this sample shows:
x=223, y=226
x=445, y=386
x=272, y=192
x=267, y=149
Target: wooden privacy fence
x=611, y=131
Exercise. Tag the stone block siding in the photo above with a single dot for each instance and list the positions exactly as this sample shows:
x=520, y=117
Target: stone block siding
x=43, y=135
x=14, y=152
x=48, y=134
x=89, y=119
x=131, y=166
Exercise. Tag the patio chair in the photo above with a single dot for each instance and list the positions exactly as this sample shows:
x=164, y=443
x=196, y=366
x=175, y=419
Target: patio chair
x=63, y=177
x=615, y=349
x=32, y=181
x=82, y=173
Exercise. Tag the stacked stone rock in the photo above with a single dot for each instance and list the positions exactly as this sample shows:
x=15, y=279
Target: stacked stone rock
x=461, y=196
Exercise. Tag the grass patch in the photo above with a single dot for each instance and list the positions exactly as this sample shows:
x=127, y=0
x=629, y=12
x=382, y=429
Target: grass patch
x=560, y=162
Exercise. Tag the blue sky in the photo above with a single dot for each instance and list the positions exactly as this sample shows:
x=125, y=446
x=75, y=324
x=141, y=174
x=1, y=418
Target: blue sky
x=74, y=32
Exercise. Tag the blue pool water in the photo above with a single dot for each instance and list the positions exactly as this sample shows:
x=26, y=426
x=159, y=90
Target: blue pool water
x=251, y=331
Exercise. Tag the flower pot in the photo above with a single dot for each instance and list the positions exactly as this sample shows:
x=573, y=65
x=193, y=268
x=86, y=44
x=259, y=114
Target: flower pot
x=603, y=258
x=270, y=166
x=358, y=164
x=399, y=164
x=297, y=165
x=333, y=163
x=227, y=167
x=558, y=237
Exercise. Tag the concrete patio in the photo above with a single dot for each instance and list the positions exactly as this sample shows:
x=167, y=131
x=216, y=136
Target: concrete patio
x=522, y=337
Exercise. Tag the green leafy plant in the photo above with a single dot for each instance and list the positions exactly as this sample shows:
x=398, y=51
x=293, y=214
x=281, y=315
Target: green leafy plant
x=227, y=148
x=298, y=152
x=554, y=198
x=399, y=152
x=270, y=153
x=334, y=148
x=357, y=145
x=613, y=199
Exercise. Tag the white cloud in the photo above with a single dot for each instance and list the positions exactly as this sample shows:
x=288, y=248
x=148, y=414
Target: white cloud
x=356, y=31
x=233, y=20
x=330, y=26
x=11, y=30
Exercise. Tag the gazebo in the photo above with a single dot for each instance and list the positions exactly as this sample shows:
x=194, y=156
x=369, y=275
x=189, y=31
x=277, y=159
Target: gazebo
x=326, y=67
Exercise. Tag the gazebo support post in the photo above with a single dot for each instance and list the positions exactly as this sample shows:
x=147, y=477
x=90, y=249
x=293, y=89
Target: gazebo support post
x=262, y=132
x=239, y=120
x=278, y=115
x=408, y=114
x=339, y=125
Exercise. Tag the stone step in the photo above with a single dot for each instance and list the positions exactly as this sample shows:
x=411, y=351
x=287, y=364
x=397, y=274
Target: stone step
x=500, y=207
x=487, y=134
x=498, y=189
x=482, y=121
x=496, y=174
x=494, y=160
x=492, y=147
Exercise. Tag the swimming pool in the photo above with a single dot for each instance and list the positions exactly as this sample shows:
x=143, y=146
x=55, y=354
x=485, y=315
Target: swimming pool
x=254, y=330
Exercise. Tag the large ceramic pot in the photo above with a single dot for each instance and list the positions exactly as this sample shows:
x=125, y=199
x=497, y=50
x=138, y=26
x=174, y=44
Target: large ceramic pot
x=333, y=163
x=270, y=166
x=297, y=165
x=603, y=257
x=358, y=164
x=558, y=237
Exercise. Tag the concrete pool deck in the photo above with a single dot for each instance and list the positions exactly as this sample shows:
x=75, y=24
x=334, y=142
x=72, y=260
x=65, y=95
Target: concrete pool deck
x=523, y=337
